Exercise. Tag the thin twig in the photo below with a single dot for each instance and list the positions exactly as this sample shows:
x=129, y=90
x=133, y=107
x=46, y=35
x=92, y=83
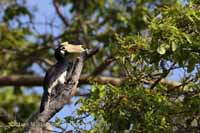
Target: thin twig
x=56, y=6
x=166, y=72
x=103, y=66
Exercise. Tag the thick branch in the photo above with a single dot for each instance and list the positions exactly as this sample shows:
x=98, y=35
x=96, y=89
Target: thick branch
x=21, y=80
x=29, y=80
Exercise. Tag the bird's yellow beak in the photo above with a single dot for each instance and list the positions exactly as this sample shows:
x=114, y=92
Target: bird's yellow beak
x=70, y=48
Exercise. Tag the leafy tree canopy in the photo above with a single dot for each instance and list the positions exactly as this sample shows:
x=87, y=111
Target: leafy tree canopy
x=143, y=43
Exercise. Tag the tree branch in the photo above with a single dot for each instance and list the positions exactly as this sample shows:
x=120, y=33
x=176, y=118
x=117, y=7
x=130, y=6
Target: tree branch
x=30, y=80
x=56, y=6
x=103, y=66
x=165, y=73
x=21, y=80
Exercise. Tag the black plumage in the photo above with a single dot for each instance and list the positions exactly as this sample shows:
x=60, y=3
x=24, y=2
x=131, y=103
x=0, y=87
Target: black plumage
x=56, y=75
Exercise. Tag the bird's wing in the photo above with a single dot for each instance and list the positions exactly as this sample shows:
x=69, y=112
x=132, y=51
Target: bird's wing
x=51, y=76
x=53, y=73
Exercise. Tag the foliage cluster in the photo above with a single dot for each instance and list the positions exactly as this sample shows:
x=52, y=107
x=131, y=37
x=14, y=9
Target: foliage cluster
x=149, y=40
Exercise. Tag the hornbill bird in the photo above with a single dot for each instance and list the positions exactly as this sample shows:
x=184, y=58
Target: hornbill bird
x=59, y=73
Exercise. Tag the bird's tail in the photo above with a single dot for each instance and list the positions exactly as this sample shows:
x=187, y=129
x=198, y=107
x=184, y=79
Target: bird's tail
x=43, y=101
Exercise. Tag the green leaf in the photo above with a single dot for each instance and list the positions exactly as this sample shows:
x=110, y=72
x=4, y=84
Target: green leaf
x=174, y=46
x=162, y=49
x=191, y=65
x=57, y=123
x=187, y=37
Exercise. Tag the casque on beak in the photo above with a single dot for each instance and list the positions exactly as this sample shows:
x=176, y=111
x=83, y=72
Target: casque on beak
x=72, y=48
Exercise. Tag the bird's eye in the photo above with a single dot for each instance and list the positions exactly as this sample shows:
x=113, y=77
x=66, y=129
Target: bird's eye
x=62, y=48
